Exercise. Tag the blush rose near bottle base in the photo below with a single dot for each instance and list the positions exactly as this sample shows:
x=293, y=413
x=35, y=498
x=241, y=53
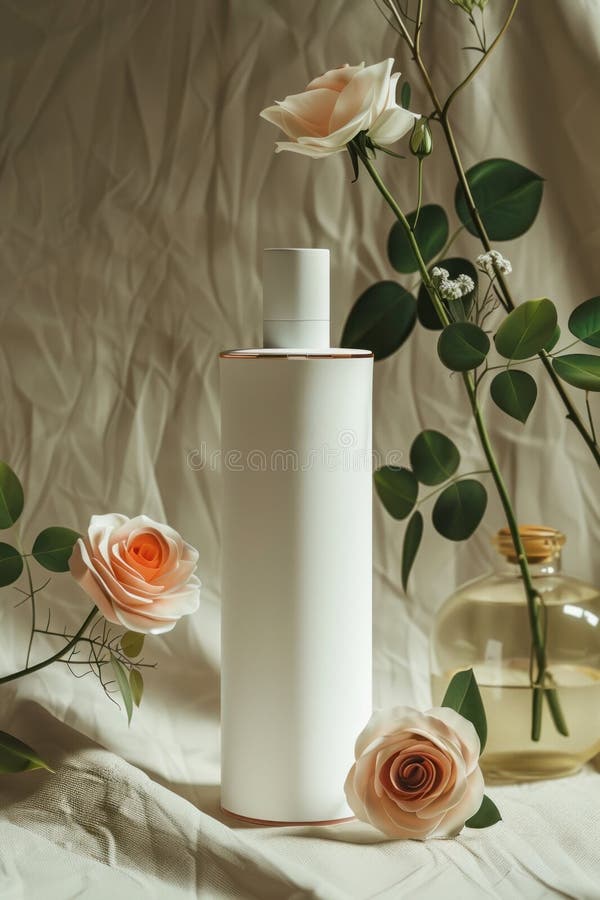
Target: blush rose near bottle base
x=296, y=559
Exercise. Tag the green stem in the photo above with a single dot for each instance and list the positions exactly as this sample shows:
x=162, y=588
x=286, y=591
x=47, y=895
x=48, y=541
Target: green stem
x=32, y=593
x=449, y=243
x=419, y=191
x=564, y=349
x=589, y=412
x=46, y=662
x=531, y=594
x=482, y=46
x=452, y=481
x=440, y=255
x=452, y=96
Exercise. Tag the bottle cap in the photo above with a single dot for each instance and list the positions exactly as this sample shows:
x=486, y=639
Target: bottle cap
x=296, y=297
x=540, y=543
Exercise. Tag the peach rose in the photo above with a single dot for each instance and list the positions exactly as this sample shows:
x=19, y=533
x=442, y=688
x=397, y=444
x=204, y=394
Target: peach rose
x=138, y=572
x=416, y=774
x=335, y=107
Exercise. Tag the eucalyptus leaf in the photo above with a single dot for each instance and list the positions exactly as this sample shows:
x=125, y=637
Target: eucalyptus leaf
x=11, y=564
x=410, y=547
x=487, y=814
x=431, y=234
x=11, y=496
x=459, y=509
x=132, y=643
x=434, y=457
x=515, y=392
x=582, y=370
x=426, y=312
x=15, y=756
x=553, y=340
x=527, y=329
x=53, y=547
x=463, y=696
x=397, y=489
x=507, y=195
x=584, y=322
x=123, y=684
x=381, y=319
x=136, y=683
x=463, y=346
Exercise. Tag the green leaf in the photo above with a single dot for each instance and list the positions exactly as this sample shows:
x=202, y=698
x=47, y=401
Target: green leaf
x=11, y=564
x=459, y=509
x=515, y=392
x=11, y=496
x=462, y=695
x=412, y=541
x=553, y=340
x=426, y=313
x=584, y=322
x=527, y=329
x=405, y=95
x=507, y=195
x=353, y=153
x=463, y=346
x=433, y=457
x=136, y=683
x=123, y=683
x=15, y=756
x=381, y=319
x=53, y=546
x=132, y=643
x=487, y=814
x=431, y=234
x=582, y=370
x=397, y=489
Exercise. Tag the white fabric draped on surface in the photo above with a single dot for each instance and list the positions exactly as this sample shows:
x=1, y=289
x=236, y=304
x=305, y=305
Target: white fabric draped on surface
x=137, y=189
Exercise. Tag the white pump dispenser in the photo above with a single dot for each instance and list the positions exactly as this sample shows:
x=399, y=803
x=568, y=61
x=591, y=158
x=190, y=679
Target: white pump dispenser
x=296, y=298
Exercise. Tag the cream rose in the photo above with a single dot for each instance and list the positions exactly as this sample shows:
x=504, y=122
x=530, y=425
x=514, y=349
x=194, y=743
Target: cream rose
x=335, y=107
x=416, y=774
x=138, y=572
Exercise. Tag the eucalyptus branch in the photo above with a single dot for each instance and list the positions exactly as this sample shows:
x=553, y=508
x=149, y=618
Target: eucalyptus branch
x=507, y=300
x=531, y=595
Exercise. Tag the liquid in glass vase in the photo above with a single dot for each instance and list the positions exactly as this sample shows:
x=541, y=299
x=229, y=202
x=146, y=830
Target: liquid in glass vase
x=484, y=625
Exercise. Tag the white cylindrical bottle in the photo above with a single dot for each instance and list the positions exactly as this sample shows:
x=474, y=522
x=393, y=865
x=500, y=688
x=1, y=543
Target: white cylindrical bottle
x=296, y=554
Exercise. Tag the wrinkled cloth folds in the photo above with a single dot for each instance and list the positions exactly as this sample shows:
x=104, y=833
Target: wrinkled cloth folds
x=138, y=187
x=101, y=827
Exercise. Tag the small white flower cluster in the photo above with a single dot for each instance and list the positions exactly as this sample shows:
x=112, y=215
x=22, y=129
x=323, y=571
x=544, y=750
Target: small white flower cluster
x=493, y=263
x=450, y=289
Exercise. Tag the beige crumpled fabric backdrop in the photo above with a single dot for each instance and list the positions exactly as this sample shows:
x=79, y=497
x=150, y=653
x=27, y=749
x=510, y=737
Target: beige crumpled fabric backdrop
x=137, y=189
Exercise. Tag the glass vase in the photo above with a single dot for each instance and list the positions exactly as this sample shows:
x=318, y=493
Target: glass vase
x=484, y=626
